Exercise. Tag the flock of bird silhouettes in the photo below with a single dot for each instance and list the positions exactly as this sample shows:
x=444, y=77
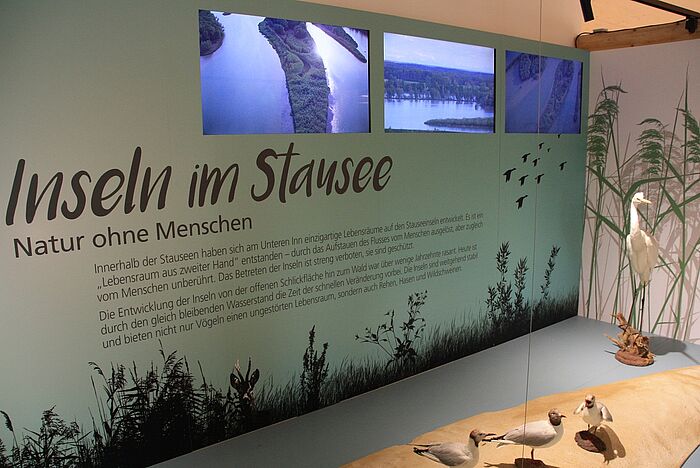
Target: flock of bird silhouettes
x=538, y=178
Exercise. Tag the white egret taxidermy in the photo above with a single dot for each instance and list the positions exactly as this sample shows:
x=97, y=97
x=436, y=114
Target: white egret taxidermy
x=643, y=251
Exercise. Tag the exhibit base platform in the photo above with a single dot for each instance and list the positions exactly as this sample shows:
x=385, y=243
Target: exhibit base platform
x=567, y=357
x=648, y=413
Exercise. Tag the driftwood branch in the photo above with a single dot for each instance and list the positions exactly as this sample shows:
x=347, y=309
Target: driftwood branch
x=634, y=347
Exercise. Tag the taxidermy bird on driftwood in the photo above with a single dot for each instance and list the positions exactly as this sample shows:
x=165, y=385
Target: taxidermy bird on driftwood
x=643, y=251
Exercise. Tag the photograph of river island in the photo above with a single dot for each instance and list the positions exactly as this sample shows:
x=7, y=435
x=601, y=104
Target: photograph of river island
x=271, y=75
x=437, y=86
x=556, y=81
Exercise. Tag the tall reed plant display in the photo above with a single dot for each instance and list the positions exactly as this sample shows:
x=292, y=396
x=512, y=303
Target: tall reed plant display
x=661, y=166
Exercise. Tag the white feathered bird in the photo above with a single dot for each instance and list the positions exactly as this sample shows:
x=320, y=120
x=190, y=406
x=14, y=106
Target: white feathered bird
x=642, y=248
x=593, y=412
x=454, y=453
x=535, y=434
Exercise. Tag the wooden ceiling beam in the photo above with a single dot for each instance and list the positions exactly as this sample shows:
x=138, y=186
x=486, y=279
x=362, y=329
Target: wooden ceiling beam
x=634, y=37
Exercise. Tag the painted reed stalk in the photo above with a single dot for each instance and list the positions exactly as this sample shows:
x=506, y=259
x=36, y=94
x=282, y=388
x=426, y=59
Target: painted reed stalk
x=602, y=126
x=659, y=167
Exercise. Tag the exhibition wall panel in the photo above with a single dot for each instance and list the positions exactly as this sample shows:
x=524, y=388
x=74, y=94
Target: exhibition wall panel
x=196, y=245
x=658, y=157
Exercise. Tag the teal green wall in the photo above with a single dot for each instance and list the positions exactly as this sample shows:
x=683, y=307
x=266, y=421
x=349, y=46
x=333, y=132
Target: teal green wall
x=83, y=85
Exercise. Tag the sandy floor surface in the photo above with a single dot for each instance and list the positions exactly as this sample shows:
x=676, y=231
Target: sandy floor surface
x=656, y=423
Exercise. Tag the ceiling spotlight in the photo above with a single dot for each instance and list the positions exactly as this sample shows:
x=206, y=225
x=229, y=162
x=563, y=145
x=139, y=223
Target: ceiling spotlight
x=587, y=10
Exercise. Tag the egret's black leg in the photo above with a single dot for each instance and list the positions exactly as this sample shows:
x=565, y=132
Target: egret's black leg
x=634, y=303
x=641, y=310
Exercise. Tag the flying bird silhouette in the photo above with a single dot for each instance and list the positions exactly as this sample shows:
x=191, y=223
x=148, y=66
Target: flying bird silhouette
x=522, y=179
x=539, y=177
x=508, y=173
x=534, y=161
x=561, y=166
x=520, y=201
x=549, y=148
x=524, y=156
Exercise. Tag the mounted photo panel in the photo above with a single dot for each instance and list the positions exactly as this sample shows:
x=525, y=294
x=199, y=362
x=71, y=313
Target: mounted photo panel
x=543, y=94
x=273, y=75
x=437, y=86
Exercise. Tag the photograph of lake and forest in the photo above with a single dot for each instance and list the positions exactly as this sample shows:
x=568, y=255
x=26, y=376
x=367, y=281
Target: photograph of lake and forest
x=437, y=86
x=272, y=75
x=558, y=84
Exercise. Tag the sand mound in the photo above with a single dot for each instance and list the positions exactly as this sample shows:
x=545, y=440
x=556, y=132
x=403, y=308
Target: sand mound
x=672, y=397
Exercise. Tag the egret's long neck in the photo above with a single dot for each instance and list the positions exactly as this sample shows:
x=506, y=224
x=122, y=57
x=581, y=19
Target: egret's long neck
x=634, y=219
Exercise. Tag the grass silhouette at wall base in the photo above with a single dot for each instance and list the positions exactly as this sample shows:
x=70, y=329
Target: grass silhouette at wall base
x=143, y=418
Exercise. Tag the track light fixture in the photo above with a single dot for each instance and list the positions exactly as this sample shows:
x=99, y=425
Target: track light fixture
x=691, y=17
x=587, y=10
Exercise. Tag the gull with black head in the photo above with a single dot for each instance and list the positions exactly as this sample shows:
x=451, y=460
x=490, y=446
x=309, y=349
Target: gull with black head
x=535, y=434
x=454, y=453
x=593, y=412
